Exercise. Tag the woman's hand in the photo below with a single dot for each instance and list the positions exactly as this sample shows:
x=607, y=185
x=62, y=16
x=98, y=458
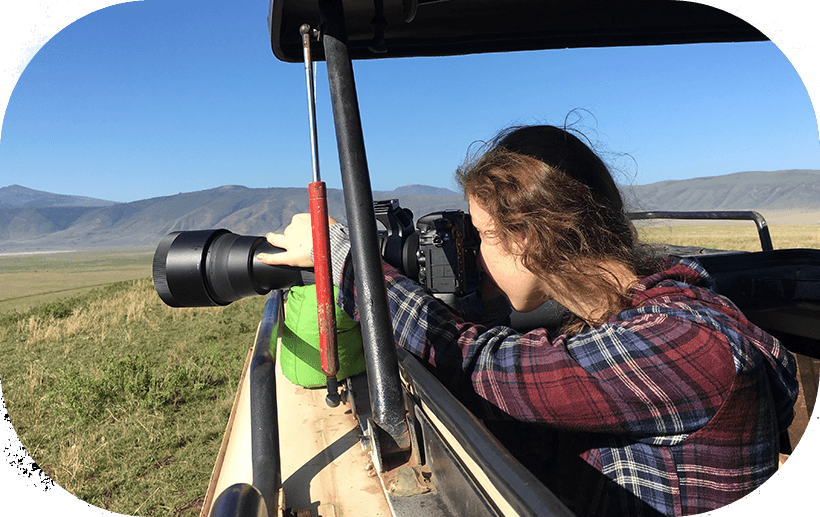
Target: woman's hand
x=296, y=240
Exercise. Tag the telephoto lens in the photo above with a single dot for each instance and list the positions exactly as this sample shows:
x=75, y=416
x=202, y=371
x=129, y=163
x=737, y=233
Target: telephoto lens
x=205, y=268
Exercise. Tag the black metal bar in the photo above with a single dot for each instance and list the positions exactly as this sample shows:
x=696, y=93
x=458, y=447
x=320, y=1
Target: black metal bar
x=377, y=328
x=239, y=500
x=267, y=473
x=744, y=215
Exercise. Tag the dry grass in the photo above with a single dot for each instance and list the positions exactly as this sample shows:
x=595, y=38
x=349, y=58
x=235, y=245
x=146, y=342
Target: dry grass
x=98, y=318
x=31, y=280
x=731, y=236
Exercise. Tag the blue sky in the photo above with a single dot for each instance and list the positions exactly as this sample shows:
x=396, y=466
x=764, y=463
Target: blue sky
x=153, y=98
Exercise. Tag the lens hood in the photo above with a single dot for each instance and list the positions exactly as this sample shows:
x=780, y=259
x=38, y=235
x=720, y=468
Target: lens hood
x=203, y=268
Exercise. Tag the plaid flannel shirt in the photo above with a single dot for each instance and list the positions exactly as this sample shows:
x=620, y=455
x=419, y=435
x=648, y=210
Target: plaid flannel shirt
x=672, y=407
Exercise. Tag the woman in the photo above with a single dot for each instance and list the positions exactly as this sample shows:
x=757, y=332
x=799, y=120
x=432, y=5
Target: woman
x=656, y=397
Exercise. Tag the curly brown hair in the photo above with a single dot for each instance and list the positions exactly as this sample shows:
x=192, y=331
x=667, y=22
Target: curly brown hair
x=545, y=184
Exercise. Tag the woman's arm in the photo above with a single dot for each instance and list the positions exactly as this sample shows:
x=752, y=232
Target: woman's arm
x=536, y=378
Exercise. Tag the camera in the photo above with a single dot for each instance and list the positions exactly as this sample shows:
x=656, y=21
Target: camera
x=216, y=267
x=440, y=253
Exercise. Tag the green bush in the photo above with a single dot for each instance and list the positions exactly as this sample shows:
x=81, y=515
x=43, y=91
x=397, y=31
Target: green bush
x=58, y=310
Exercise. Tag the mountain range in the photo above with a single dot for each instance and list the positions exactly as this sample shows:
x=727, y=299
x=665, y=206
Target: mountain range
x=33, y=220
x=759, y=190
x=30, y=221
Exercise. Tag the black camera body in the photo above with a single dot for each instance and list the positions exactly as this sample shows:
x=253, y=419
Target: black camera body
x=447, y=253
x=216, y=267
x=440, y=253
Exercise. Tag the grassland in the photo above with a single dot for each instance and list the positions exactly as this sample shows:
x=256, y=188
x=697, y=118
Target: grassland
x=120, y=399
x=32, y=279
x=123, y=401
x=741, y=236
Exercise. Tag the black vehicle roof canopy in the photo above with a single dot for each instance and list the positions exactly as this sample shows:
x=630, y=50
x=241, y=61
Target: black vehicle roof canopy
x=453, y=27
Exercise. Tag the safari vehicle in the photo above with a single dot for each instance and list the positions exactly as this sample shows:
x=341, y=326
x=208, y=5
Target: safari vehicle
x=400, y=443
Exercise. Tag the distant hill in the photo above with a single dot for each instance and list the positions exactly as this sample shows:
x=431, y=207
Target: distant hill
x=778, y=190
x=421, y=190
x=29, y=222
x=19, y=196
x=240, y=209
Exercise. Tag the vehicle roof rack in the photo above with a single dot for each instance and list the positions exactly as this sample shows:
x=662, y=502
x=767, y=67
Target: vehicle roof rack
x=406, y=28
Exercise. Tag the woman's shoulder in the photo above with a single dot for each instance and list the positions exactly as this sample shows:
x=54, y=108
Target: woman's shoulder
x=683, y=290
x=675, y=313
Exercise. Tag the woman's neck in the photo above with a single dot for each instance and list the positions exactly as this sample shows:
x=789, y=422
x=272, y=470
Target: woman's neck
x=595, y=299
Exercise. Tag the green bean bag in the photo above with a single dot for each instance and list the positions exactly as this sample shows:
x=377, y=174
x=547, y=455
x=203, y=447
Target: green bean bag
x=299, y=353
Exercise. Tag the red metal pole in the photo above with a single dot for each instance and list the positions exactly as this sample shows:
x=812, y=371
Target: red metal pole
x=324, y=287
x=325, y=304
